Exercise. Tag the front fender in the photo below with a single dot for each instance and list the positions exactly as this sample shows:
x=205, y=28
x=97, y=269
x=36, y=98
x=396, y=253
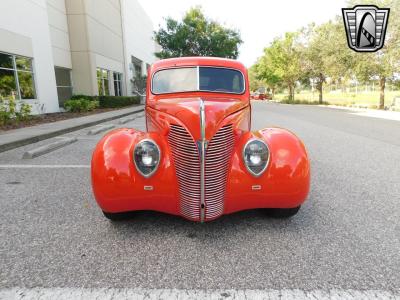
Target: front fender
x=284, y=184
x=118, y=186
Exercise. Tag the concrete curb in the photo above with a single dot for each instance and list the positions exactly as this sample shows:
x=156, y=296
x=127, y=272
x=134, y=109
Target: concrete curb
x=48, y=148
x=100, y=129
x=48, y=135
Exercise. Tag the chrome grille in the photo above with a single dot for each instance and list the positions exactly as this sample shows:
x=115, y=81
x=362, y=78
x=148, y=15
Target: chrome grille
x=187, y=165
x=218, y=156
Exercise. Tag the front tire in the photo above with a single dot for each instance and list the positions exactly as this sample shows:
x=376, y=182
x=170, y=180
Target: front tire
x=118, y=216
x=282, y=212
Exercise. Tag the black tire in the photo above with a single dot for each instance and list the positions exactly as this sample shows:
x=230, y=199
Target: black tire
x=282, y=212
x=118, y=216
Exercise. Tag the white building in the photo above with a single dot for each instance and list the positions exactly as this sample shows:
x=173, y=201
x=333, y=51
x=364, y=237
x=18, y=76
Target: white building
x=51, y=49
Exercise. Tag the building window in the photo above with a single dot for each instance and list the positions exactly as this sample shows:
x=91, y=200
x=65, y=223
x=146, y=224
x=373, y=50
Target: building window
x=16, y=77
x=137, y=67
x=64, y=84
x=117, y=84
x=103, y=82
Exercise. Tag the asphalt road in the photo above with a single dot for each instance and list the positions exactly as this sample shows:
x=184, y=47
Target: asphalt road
x=346, y=236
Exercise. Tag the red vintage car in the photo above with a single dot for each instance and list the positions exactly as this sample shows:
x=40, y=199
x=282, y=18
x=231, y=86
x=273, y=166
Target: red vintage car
x=198, y=157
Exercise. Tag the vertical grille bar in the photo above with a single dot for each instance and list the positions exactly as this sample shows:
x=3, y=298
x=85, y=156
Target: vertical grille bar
x=187, y=165
x=218, y=156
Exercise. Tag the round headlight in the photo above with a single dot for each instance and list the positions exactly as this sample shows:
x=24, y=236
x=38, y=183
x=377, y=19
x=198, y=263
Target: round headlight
x=146, y=156
x=256, y=156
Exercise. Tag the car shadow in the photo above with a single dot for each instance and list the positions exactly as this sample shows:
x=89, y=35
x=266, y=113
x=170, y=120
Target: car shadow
x=244, y=222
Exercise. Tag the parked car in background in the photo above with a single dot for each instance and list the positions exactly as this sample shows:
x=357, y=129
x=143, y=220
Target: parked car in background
x=260, y=96
x=198, y=157
x=267, y=96
x=257, y=96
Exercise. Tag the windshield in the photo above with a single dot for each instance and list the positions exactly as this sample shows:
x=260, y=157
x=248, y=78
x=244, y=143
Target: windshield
x=191, y=79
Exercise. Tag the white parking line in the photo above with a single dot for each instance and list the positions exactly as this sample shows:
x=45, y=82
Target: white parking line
x=44, y=166
x=111, y=293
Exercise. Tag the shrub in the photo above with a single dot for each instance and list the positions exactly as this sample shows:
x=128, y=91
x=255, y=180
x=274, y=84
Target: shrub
x=13, y=111
x=306, y=102
x=24, y=112
x=117, y=101
x=109, y=101
x=80, y=105
x=4, y=117
x=86, y=97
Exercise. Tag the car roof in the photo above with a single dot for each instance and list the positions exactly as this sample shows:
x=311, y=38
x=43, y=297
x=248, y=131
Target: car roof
x=197, y=61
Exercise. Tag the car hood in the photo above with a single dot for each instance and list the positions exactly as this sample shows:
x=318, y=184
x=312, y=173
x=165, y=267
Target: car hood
x=187, y=112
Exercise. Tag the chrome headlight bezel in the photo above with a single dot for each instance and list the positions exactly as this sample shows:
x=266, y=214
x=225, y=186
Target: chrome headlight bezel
x=140, y=143
x=245, y=161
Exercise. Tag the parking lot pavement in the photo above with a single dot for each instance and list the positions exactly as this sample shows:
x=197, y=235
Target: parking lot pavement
x=345, y=238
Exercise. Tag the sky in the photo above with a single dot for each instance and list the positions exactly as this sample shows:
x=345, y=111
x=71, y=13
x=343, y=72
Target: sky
x=259, y=22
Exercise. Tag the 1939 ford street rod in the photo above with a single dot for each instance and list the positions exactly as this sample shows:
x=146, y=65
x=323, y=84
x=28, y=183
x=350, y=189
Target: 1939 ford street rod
x=198, y=157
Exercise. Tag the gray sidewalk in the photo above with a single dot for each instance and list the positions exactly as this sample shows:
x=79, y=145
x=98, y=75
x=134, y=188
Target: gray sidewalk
x=28, y=135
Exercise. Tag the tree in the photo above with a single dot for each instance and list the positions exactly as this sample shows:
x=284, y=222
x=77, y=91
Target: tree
x=139, y=84
x=255, y=81
x=281, y=62
x=196, y=35
x=265, y=74
x=325, y=53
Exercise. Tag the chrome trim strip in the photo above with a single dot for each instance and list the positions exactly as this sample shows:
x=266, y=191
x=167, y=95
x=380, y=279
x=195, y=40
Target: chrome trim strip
x=202, y=160
x=198, y=78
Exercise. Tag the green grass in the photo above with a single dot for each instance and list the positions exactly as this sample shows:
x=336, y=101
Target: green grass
x=369, y=99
